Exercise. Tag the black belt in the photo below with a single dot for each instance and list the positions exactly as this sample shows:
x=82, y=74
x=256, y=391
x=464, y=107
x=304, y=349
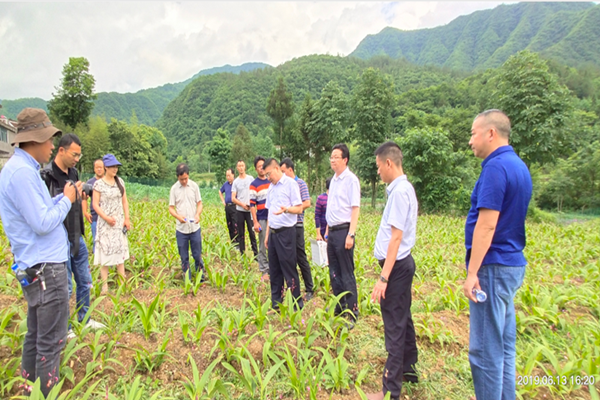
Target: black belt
x=300, y=225
x=280, y=229
x=339, y=227
x=381, y=262
x=230, y=204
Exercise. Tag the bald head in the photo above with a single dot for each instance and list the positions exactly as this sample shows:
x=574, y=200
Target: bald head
x=496, y=119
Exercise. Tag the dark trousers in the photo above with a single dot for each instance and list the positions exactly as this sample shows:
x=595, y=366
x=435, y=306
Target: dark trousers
x=302, y=259
x=400, y=341
x=231, y=217
x=341, y=270
x=282, y=265
x=246, y=218
x=185, y=241
x=47, y=320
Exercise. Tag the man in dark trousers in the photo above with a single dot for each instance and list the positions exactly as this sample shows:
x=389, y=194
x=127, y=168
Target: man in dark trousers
x=495, y=239
x=55, y=175
x=393, y=244
x=240, y=195
x=283, y=203
x=230, y=211
x=258, y=198
x=342, y=213
x=287, y=167
x=33, y=223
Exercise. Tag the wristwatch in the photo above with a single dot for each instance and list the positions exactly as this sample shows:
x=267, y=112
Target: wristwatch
x=382, y=279
x=352, y=235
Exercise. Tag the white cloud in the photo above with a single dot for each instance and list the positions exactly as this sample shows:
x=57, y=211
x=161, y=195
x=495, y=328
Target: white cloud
x=137, y=45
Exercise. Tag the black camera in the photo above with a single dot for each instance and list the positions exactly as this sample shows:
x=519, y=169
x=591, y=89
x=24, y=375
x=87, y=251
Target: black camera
x=125, y=230
x=87, y=189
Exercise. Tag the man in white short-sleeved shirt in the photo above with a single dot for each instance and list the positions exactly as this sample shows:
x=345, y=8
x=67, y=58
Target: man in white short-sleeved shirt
x=240, y=195
x=284, y=204
x=343, y=207
x=185, y=205
x=394, y=241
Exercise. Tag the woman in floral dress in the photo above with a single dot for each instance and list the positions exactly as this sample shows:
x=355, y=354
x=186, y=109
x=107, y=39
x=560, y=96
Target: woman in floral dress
x=110, y=203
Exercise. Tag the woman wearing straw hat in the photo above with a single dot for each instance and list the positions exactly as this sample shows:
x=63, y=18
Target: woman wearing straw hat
x=110, y=203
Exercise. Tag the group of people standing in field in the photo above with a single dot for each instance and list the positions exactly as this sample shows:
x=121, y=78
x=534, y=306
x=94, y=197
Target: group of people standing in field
x=43, y=219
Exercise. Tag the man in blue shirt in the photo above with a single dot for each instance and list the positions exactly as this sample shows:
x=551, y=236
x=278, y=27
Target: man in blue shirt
x=230, y=211
x=495, y=239
x=33, y=223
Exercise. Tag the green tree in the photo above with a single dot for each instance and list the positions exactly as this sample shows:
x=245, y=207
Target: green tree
x=95, y=142
x=439, y=175
x=242, y=146
x=538, y=106
x=280, y=108
x=74, y=99
x=372, y=108
x=327, y=124
x=219, y=151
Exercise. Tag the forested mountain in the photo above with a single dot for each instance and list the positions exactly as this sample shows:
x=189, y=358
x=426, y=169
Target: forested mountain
x=148, y=104
x=226, y=100
x=567, y=32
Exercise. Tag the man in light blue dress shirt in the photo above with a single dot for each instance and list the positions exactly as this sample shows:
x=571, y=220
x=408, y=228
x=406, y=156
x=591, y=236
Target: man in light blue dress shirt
x=284, y=204
x=395, y=239
x=33, y=223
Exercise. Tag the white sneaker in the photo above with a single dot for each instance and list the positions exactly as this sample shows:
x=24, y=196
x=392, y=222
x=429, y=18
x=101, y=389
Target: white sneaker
x=94, y=324
x=71, y=334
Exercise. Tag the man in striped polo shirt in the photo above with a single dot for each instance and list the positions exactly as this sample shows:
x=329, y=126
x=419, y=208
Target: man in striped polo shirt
x=287, y=167
x=258, y=197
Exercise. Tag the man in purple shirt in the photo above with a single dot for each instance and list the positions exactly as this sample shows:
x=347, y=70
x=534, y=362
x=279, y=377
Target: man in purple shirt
x=320, y=210
x=287, y=167
x=230, y=211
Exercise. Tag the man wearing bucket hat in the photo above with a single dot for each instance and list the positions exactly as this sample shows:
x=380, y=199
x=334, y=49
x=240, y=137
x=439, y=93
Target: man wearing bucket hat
x=33, y=223
x=56, y=175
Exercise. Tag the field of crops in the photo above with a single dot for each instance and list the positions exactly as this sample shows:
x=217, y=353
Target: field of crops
x=170, y=338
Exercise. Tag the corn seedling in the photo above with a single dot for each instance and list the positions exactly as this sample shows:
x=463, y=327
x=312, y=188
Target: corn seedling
x=203, y=387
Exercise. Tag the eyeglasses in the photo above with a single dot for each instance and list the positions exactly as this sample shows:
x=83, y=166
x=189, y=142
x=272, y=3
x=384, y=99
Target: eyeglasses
x=268, y=174
x=76, y=155
x=334, y=158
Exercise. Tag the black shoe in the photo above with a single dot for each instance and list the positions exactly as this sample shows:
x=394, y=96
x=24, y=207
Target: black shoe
x=410, y=377
x=308, y=296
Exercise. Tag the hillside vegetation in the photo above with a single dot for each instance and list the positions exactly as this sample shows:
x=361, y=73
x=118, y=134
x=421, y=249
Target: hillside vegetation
x=148, y=104
x=568, y=32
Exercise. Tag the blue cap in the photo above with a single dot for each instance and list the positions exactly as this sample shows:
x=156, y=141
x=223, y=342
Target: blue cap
x=110, y=161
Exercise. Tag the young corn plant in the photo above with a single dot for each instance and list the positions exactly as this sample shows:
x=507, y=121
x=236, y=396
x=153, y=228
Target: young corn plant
x=251, y=376
x=146, y=315
x=146, y=361
x=203, y=387
x=336, y=369
x=136, y=391
x=55, y=392
x=101, y=354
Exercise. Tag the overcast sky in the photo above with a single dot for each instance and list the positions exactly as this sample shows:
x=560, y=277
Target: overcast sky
x=139, y=45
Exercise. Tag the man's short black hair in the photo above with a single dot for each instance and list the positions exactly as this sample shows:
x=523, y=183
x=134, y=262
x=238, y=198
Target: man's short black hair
x=327, y=183
x=270, y=161
x=182, y=169
x=67, y=140
x=288, y=163
x=257, y=159
x=230, y=170
x=390, y=150
x=344, y=149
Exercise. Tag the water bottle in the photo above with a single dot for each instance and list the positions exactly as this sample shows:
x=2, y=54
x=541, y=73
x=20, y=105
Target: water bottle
x=21, y=275
x=480, y=295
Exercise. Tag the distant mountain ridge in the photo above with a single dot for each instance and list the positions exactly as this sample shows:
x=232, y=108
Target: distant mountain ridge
x=148, y=104
x=484, y=39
